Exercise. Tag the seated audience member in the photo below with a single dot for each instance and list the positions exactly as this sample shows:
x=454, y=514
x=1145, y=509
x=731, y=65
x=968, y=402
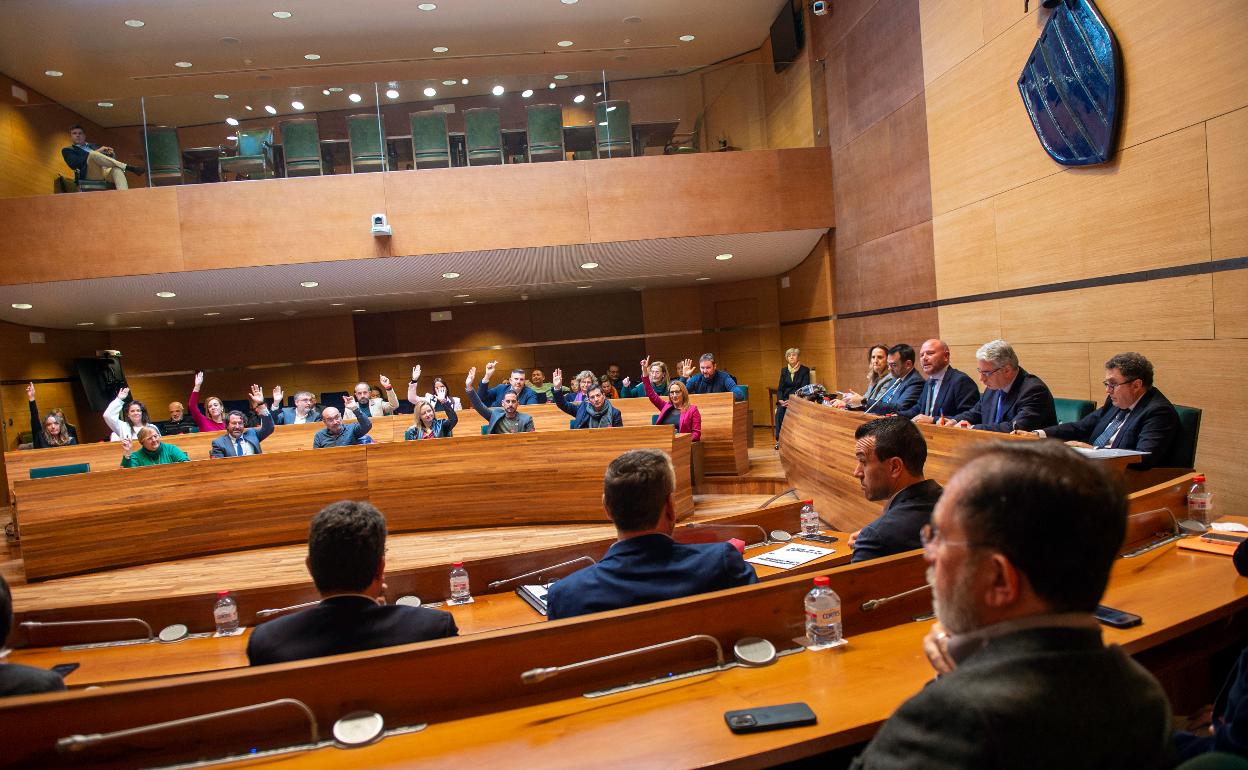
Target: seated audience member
x=215, y=419
x=947, y=391
x=91, y=161
x=16, y=679
x=51, y=431
x=709, y=379
x=69, y=427
x=428, y=425
x=793, y=375
x=537, y=381
x=878, y=380
x=179, y=421
x=515, y=384
x=442, y=394
x=613, y=374
x=302, y=412
x=502, y=419
x=608, y=387
x=594, y=412
x=347, y=559
x=440, y=398
x=151, y=450
x=1135, y=415
x=240, y=440
x=645, y=564
x=658, y=380
x=136, y=417
x=1013, y=399
x=676, y=410
x=1020, y=549
x=375, y=406
x=584, y=381
x=335, y=433
x=1228, y=730
x=907, y=383
x=891, y=453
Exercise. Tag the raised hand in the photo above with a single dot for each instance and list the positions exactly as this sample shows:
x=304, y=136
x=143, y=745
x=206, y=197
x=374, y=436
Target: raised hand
x=556, y=379
x=384, y=380
x=199, y=380
x=123, y=393
x=278, y=395
x=471, y=382
x=257, y=396
x=645, y=366
x=686, y=367
x=626, y=382
x=415, y=372
x=127, y=446
x=349, y=402
x=30, y=391
x=489, y=369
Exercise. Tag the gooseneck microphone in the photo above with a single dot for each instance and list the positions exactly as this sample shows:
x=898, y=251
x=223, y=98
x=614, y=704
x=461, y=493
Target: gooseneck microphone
x=871, y=604
x=540, y=674
x=540, y=571
x=268, y=613
x=105, y=621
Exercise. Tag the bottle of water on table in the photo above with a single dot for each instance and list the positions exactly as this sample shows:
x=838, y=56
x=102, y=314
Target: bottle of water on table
x=823, y=616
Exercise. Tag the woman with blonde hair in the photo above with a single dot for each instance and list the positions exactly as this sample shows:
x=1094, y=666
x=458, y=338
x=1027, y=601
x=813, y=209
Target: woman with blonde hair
x=792, y=376
x=658, y=380
x=215, y=420
x=584, y=381
x=53, y=431
x=427, y=424
x=676, y=410
x=878, y=380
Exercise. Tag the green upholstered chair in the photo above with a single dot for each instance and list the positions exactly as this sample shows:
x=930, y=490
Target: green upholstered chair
x=686, y=143
x=253, y=158
x=1183, y=454
x=583, y=155
x=164, y=156
x=93, y=185
x=431, y=144
x=1073, y=409
x=59, y=470
x=483, y=136
x=613, y=129
x=545, y=132
x=301, y=147
x=364, y=134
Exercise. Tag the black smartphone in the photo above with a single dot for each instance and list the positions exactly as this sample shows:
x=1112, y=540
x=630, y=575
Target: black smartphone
x=1116, y=618
x=818, y=538
x=769, y=718
x=1222, y=537
x=65, y=669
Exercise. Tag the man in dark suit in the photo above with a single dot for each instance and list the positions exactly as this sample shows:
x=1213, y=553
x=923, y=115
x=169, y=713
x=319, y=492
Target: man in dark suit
x=594, y=412
x=502, y=419
x=1134, y=416
x=347, y=559
x=891, y=453
x=514, y=384
x=15, y=678
x=91, y=161
x=1013, y=399
x=947, y=390
x=710, y=378
x=1020, y=549
x=645, y=564
x=907, y=383
x=303, y=411
x=239, y=440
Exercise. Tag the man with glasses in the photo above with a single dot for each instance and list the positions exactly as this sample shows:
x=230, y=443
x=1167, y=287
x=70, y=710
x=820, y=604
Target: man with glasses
x=1019, y=553
x=906, y=387
x=891, y=453
x=1135, y=415
x=1013, y=399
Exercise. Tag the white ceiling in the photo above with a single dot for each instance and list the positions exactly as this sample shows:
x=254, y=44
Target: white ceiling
x=401, y=283
x=238, y=47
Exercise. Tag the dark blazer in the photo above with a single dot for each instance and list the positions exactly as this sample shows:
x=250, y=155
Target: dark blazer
x=76, y=158
x=1039, y=698
x=648, y=568
x=957, y=393
x=36, y=429
x=1027, y=405
x=581, y=412
x=223, y=446
x=897, y=529
x=494, y=396
x=495, y=415
x=345, y=624
x=1230, y=718
x=16, y=679
x=441, y=427
x=790, y=383
x=722, y=382
x=899, y=396
x=286, y=415
x=1151, y=426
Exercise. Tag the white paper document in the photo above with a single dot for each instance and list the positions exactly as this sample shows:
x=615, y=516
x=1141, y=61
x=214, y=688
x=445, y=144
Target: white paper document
x=1228, y=526
x=790, y=556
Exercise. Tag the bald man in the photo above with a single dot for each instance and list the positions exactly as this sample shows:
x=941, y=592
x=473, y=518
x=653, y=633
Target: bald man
x=947, y=390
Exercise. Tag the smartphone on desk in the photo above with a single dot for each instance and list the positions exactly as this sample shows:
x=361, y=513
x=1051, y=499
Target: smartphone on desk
x=1223, y=537
x=1116, y=618
x=769, y=718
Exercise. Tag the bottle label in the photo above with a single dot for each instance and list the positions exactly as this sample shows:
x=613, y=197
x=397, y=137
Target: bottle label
x=459, y=585
x=1199, y=503
x=225, y=614
x=825, y=618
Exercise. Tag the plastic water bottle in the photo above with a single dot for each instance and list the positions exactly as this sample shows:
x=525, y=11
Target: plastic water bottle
x=459, y=583
x=823, y=616
x=810, y=518
x=225, y=612
x=1200, y=501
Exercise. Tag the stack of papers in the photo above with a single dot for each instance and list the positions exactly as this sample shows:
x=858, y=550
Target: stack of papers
x=790, y=556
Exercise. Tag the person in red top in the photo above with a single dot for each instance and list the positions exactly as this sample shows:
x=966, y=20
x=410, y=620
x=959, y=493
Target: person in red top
x=676, y=410
x=215, y=420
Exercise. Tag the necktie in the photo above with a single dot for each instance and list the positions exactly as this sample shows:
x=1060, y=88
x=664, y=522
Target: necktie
x=1108, y=434
x=1000, y=406
x=238, y=447
x=931, y=397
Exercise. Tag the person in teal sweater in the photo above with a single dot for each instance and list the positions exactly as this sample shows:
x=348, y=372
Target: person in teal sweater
x=151, y=451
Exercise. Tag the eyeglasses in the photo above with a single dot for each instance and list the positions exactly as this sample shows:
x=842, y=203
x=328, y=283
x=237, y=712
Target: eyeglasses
x=1111, y=386
x=931, y=537
x=982, y=373
x=896, y=364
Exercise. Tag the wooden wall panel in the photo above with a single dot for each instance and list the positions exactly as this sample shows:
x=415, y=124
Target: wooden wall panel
x=965, y=250
x=733, y=99
x=809, y=293
x=1230, y=304
x=1148, y=209
x=1064, y=367
x=896, y=269
x=970, y=323
x=952, y=31
x=1228, y=184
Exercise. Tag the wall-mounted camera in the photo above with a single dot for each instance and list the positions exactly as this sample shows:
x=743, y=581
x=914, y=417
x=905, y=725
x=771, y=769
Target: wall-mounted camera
x=380, y=225
x=821, y=7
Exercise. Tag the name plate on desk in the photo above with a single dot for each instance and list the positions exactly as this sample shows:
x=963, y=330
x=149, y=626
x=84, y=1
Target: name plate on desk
x=790, y=556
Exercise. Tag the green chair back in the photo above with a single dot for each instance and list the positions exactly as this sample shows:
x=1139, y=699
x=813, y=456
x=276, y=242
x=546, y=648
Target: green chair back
x=254, y=155
x=1183, y=454
x=364, y=134
x=483, y=136
x=301, y=146
x=431, y=144
x=545, y=132
x=613, y=129
x=164, y=157
x=92, y=185
x=59, y=470
x=254, y=142
x=1073, y=409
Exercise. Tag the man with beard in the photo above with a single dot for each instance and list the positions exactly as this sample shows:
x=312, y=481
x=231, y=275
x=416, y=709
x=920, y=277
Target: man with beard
x=594, y=412
x=1019, y=552
x=239, y=440
x=891, y=453
x=504, y=419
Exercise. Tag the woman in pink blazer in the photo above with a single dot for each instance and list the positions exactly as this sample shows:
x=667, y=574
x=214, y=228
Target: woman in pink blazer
x=676, y=410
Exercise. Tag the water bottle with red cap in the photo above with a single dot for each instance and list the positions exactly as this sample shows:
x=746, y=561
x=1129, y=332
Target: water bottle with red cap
x=823, y=616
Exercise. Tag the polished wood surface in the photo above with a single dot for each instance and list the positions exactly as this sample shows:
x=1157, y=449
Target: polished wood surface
x=74, y=524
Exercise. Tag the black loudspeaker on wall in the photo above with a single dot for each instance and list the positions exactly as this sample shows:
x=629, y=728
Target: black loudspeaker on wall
x=101, y=379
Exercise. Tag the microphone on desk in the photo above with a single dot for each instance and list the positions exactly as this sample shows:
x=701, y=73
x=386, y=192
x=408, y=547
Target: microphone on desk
x=871, y=604
x=174, y=632
x=775, y=536
x=881, y=397
x=270, y=612
x=541, y=570
x=541, y=674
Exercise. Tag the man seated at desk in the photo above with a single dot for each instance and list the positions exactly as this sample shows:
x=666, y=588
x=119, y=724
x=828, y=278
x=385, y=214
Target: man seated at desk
x=946, y=391
x=645, y=564
x=505, y=419
x=239, y=440
x=1013, y=399
x=302, y=412
x=347, y=559
x=1135, y=415
x=891, y=453
x=179, y=421
x=709, y=379
x=151, y=451
x=1020, y=548
x=335, y=433
x=514, y=384
x=906, y=387
x=594, y=412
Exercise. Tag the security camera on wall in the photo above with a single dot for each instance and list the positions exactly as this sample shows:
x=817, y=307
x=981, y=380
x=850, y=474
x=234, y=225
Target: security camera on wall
x=380, y=225
x=820, y=7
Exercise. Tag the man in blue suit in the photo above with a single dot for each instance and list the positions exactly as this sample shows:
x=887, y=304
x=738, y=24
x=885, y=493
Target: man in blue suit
x=239, y=440
x=1013, y=399
x=645, y=564
x=947, y=390
x=502, y=419
x=710, y=378
x=303, y=411
x=908, y=383
x=515, y=384
x=594, y=412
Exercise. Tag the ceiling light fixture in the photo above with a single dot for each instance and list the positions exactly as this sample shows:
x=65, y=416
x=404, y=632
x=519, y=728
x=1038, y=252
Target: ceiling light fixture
x=134, y=23
x=166, y=294
x=464, y=81
x=598, y=94
x=703, y=278
x=282, y=14
x=448, y=82
x=561, y=77
x=247, y=107
x=85, y=323
x=578, y=98
x=568, y=2
x=392, y=93
x=440, y=49
x=324, y=92
x=270, y=109
x=53, y=73
x=232, y=137
x=526, y=93
x=183, y=64
x=497, y=90
x=104, y=104
x=337, y=304
x=222, y=97
x=449, y=276
x=297, y=105
x=22, y=306
x=231, y=121
x=309, y=284
x=336, y=89
x=312, y=56
x=248, y=318
x=723, y=257
x=358, y=310
x=686, y=38
x=470, y=302
x=213, y=313
x=588, y=265
x=431, y=91
x=428, y=6
x=565, y=43
x=584, y=287
x=462, y=296
x=356, y=98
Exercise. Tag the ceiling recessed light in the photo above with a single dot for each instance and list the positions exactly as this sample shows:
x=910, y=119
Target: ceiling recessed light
x=565, y=43
x=497, y=90
x=526, y=93
x=297, y=105
x=336, y=89
x=723, y=257
x=248, y=318
x=428, y=6
x=166, y=294
x=270, y=109
x=561, y=77
x=85, y=323
x=231, y=121
x=53, y=73
x=312, y=56
x=703, y=278
x=358, y=310
x=448, y=82
x=431, y=91
x=568, y=2
x=22, y=306
x=392, y=93
x=247, y=107
x=584, y=287
x=552, y=85
x=356, y=98
x=598, y=94
x=686, y=38
x=450, y=275
x=213, y=313
x=440, y=49
x=578, y=98
x=611, y=108
x=183, y=64
x=231, y=137
x=309, y=284
x=133, y=23
x=462, y=296
x=324, y=92
x=104, y=104
x=470, y=302
x=282, y=14
x=588, y=265
x=464, y=81
x=132, y=327
x=603, y=123
x=221, y=96
x=337, y=304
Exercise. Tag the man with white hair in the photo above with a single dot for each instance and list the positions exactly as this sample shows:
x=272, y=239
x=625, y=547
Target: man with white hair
x=1013, y=399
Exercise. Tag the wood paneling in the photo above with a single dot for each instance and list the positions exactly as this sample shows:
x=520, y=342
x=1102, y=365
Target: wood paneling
x=1228, y=184
x=965, y=248
x=951, y=31
x=809, y=293
x=893, y=270
x=1064, y=368
x=1230, y=304
x=970, y=323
